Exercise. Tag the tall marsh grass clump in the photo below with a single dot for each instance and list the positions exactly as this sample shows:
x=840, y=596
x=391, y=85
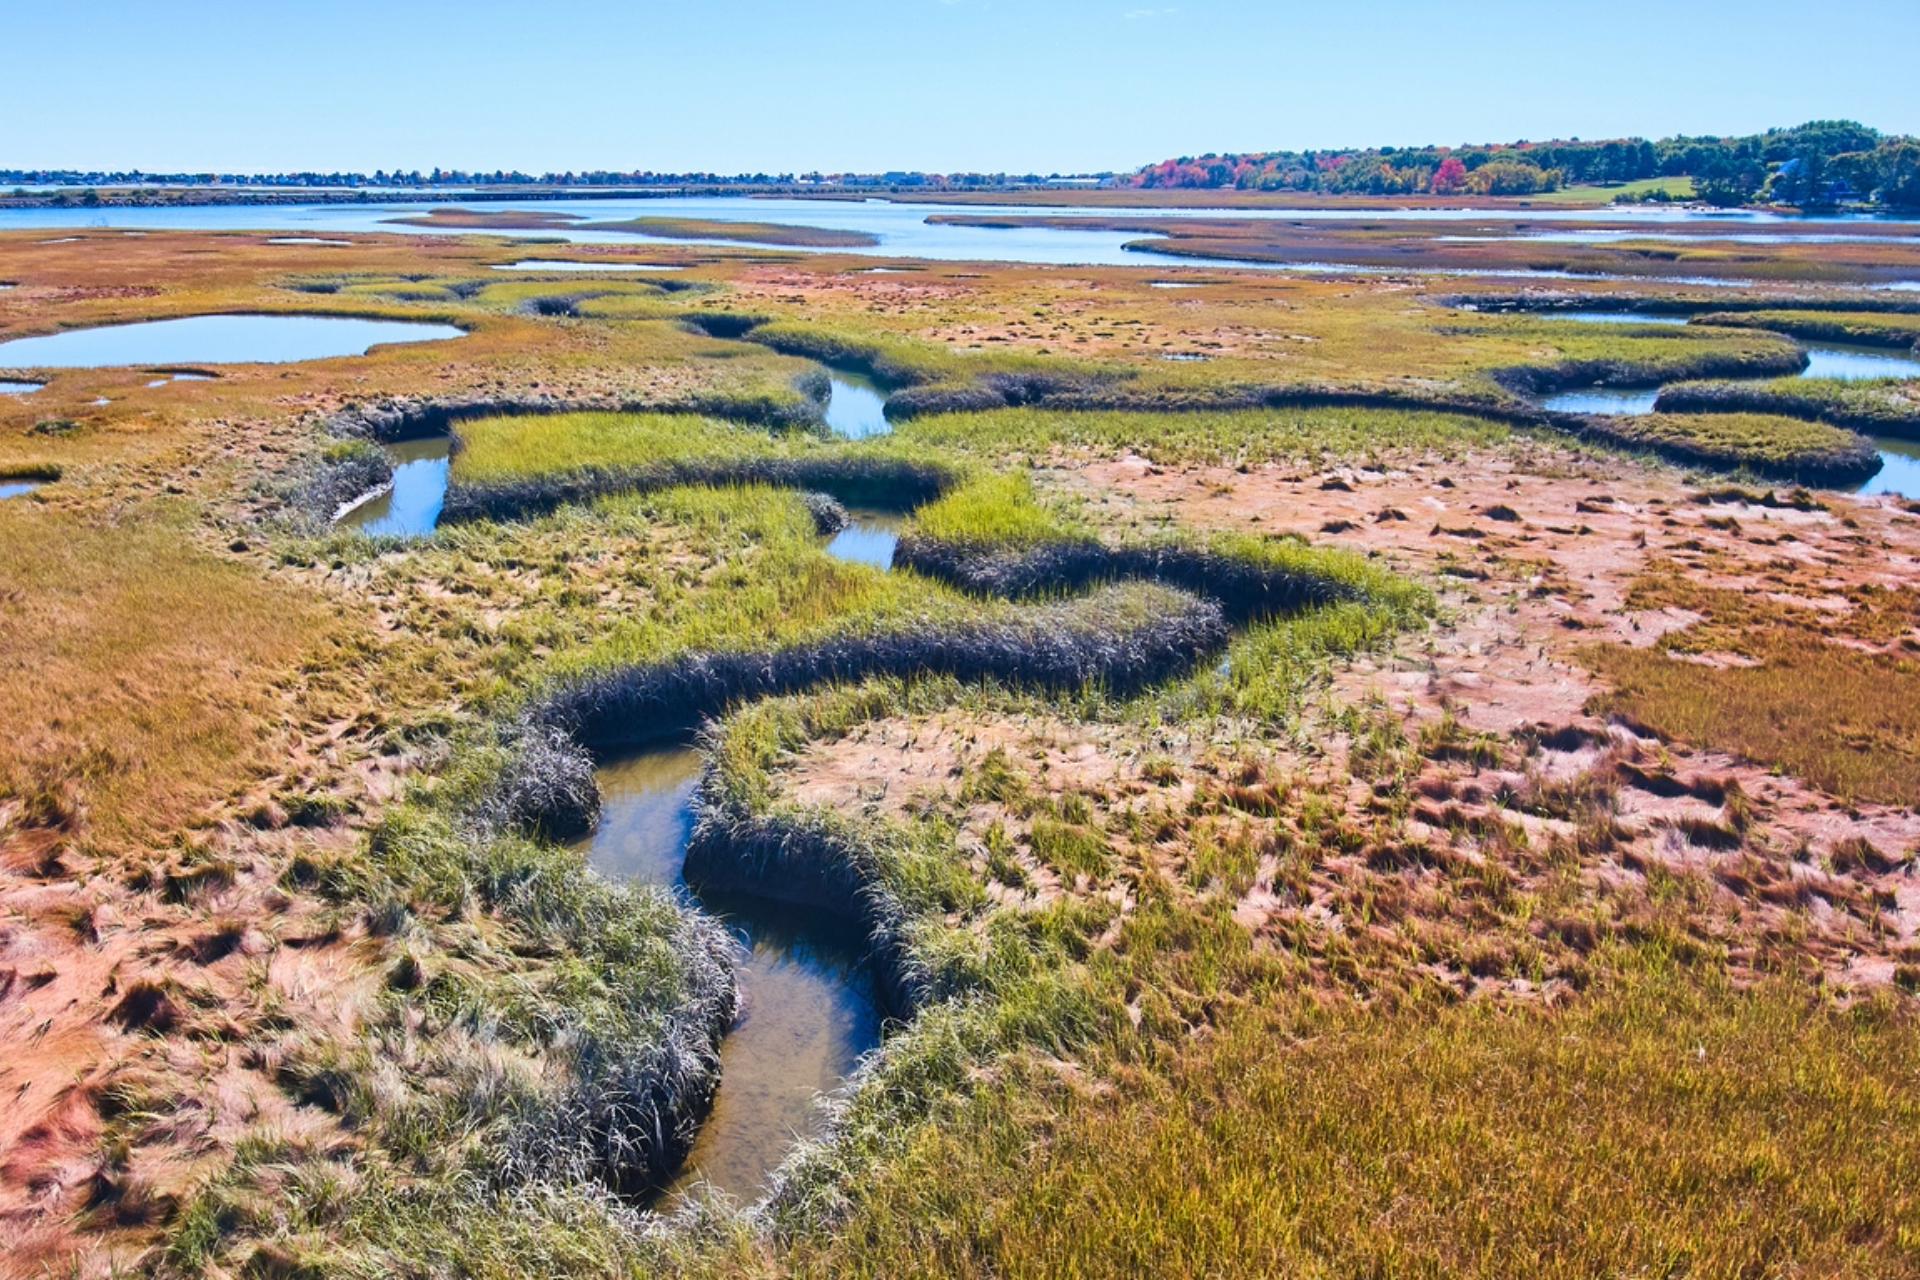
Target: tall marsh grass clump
x=518, y=465
x=1125, y=637
x=542, y=1052
x=992, y=536
x=1878, y=408
x=1766, y=444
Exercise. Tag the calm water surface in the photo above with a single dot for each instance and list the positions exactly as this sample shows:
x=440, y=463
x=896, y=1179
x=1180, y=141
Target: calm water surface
x=1856, y=363
x=1616, y=317
x=856, y=406
x=16, y=488
x=870, y=538
x=1899, y=472
x=411, y=507
x=1607, y=400
x=568, y=264
x=901, y=228
x=224, y=339
x=809, y=1005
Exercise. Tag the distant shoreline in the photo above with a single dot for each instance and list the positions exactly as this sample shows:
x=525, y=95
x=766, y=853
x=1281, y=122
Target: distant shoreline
x=1077, y=197
x=1118, y=197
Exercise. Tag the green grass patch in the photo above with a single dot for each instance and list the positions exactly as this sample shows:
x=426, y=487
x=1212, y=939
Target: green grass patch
x=1868, y=328
x=1767, y=441
x=518, y=447
x=998, y=508
x=1243, y=436
x=1679, y=187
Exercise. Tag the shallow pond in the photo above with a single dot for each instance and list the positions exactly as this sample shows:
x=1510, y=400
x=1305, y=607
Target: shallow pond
x=1616, y=317
x=809, y=1004
x=19, y=388
x=17, y=488
x=221, y=339
x=562, y=264
x=856, y=406
x=1899, y=460
x=870, y=538
x=411, y=506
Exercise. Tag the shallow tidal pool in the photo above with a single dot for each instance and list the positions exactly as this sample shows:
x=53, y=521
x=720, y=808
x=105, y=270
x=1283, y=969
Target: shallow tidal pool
x=217, y=339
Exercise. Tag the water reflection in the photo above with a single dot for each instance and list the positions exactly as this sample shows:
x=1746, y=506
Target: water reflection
x=1899, y=472
x=1856, y=363
x=810, y=1007
x=410, y=507
x=1606, y=400
x=869, y=537
x=221, y=339
x=856, y=406
x=1617, y=317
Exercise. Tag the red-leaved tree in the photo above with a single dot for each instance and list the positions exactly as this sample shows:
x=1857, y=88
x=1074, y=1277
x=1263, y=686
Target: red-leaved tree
x=1450, y=177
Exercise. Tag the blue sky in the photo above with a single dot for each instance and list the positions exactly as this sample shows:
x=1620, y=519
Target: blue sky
x=934, y=84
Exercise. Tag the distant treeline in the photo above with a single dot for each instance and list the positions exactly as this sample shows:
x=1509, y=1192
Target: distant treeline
x=1820, y=163
x=416, y=178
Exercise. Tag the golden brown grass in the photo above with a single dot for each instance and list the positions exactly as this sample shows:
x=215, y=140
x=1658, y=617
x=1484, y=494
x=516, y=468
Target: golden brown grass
x=1844, y=720
x=1665, y=1126
x=150, y=677
x=137, y=672
x=1833, y=698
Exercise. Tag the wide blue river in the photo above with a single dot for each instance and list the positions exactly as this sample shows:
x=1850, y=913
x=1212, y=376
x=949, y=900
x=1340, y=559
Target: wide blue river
x=901, y=228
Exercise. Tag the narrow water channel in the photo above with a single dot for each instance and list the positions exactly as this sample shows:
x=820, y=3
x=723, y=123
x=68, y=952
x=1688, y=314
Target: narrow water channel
x=869, y=538
x=1851, y=363
x=1617, y=317
x=856, y=406
x=1899, y=472
x=17, y=488
x=1847, y=362
x=411, y=506
x=1607, y=400
x=809, y=1004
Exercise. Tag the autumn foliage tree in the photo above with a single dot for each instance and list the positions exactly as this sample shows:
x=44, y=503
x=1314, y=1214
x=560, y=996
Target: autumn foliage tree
x=1450, y=177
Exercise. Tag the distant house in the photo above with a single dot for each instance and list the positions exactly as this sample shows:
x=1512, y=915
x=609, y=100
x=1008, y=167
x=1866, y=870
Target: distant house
x=1834, y=191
